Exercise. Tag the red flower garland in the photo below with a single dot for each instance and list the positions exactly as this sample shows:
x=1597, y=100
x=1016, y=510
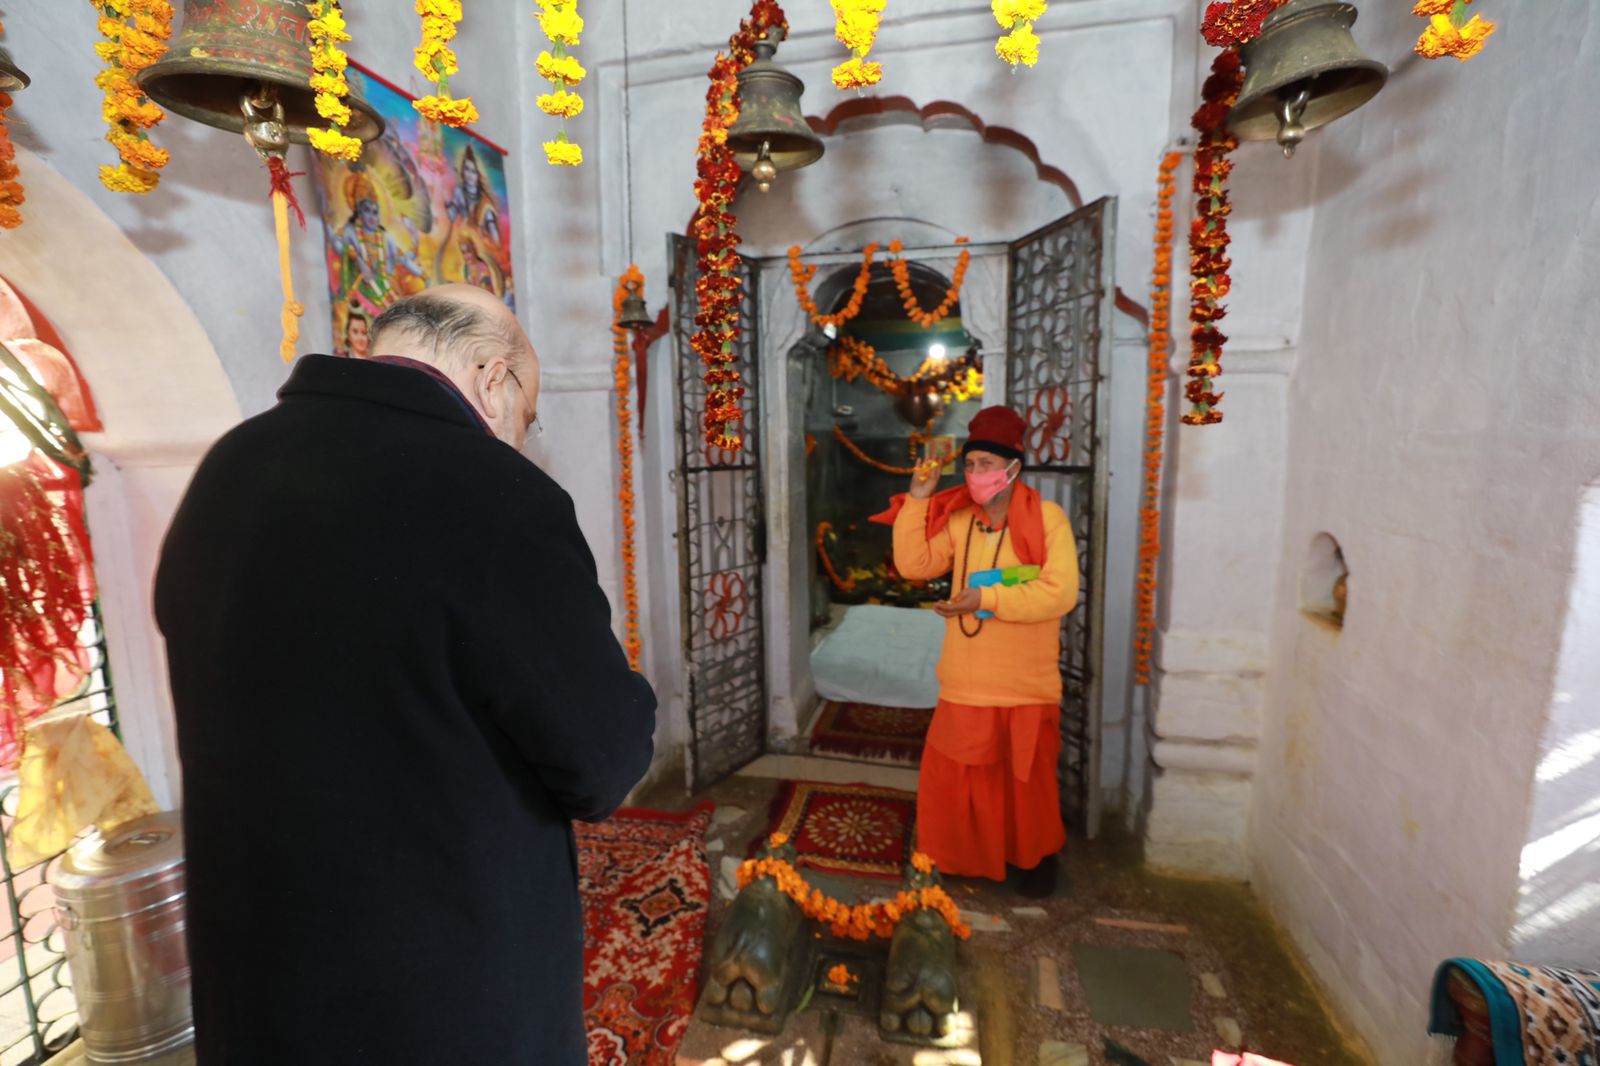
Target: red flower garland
x=11, y=193
x=621, y=346
x=1230, y=23
x=1208, y=237
x=1155, y=419
x=718, y=290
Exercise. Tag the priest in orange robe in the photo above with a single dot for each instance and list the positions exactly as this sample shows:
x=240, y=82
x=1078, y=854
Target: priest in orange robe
x=988, y=795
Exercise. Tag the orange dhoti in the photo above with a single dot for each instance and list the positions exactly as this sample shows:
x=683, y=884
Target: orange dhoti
x=988, y=794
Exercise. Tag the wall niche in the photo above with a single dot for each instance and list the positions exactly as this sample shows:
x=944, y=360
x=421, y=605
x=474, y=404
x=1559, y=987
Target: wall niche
x=1324, y=582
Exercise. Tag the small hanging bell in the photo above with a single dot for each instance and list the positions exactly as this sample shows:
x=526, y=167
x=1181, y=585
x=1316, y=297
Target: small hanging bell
x=635, y=313
x=230, y=49
x=12, y=79
x=1302, y=72
x=771, y=128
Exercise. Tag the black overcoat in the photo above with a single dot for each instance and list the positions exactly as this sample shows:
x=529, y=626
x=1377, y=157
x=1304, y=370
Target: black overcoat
x=396, y=684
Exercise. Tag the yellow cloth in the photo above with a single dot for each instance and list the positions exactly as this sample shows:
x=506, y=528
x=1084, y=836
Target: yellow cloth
x=1014, y=660
x=74, y=773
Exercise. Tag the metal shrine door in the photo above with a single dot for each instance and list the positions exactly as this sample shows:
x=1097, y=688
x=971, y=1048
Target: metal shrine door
x=721, y=547
x=1060, y=297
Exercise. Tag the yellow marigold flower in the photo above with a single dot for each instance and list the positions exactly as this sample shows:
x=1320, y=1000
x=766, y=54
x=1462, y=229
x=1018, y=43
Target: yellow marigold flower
x=121, y=7
x=1010, y=12
x=562, y=103
x=115, y=81
x=1443, y=38
x=107, y=50
x=334, y=143
x=442, y=9
x=140, y=49
x=330, y=28
x=119, y=109
x=333, y=109
x=329, y=60
x=434, y=59
x=563, y=153
x=437, y=29
x=138, y=152
x=123, y=178
x=856, y=30
x=566, y=69
x=159, y=9
x=561, y=24
x=447, y=111
x=330, y=83
x=1429, y=8
x=108, y=28
x=153, y=26
x=1021, y=45
x=854, y=74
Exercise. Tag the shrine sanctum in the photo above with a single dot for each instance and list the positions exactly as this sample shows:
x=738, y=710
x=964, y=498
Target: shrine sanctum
x=843, y=533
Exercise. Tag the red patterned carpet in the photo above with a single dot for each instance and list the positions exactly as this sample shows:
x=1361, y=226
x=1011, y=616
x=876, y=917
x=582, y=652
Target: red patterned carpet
x=869, y=731
x=861, y=830
x=646, y=887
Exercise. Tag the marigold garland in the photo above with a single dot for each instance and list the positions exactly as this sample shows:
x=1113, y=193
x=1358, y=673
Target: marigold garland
x=622, y=349
x=843, y=584
x=328, y=63
x=855, y=449
x=11, y=192
x=864, y=920
x=856, y=27
x=1450, y=32
x=560, y=21
x=1155, y=424
x=802, y=273
x=135, y=33
x=1208, y=237
x=718, y=289
x=902, y=283
x=1230, y=23
x=1021, y=45
x=435, y=59
x=850, y=358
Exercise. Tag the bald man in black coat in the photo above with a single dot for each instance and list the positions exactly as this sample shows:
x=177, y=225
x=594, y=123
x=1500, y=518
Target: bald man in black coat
x=396, y=686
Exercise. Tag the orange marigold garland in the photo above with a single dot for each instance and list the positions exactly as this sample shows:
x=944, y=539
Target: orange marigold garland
x=864, y=920
x=622, y=347
x=718, y=290
x=1230, y=23
x=135, y=33
x=1155, y=420
x=11, y=194
x=802, y=273
x=1208, y=237
x=560, y=21
x=855, y=449
x=1450, y=32
x=843, y=584
x=850, y=358
x=437, y=62
x=902, y=282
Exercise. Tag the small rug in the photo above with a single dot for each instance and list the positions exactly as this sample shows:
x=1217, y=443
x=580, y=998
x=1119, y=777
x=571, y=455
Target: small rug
x=862, y=830
x=646, y=886
x=893, y=734
x=1538, y=1015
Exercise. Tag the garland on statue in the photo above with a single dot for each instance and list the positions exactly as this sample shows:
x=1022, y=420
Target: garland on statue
x=864, y=920
x=824, y=534
x=1208, y=237
x=718, y=290
x=437, y=62
x=135, y=33
x=1021, y=45
x=1155, y=419
x=560, y=21
x=856, y=27
x=328, y=63
x=1450, y=32
x=622, y=349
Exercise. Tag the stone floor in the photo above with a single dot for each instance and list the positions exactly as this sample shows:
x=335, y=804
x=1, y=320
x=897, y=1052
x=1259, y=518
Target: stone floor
x=1120, y=968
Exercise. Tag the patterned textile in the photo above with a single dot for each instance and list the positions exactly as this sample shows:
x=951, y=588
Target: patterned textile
x=866, y=730
x=1538, y=1015
x=848, y=829
x=646, y=887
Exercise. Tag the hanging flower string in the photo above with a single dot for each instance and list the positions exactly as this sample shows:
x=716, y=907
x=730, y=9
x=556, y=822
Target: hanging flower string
x=802, y=273
x=1208, y=237
x=135, y=33
x=1230, y=23
x=855, y=24
x=855, y=449
x=328, y=63
x=1155, y=423
x=958, y=379
x=560, y=21
x=1021, y=45
x=902, y=282
x=843, y=584
x=1450, y=32
x=437, y=62
x=622, y=350
x=718, y=289
x=864, y=920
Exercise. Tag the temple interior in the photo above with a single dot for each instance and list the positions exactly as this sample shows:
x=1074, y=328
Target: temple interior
x=1330, y=716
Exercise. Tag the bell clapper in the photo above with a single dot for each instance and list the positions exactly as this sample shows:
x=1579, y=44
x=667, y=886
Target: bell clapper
x=764, y=169
x=264, y=127
x=1291, y=109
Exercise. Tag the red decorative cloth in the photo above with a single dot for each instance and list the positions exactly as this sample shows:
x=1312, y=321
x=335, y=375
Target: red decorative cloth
x=1025, y=516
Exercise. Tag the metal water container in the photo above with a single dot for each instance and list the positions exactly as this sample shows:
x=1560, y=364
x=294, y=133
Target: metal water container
x=120, y=902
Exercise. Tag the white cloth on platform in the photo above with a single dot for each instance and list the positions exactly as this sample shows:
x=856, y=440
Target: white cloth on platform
x=886, y=656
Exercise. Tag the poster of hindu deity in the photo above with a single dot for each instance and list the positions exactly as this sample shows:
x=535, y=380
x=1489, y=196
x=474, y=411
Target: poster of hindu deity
x=426, y=205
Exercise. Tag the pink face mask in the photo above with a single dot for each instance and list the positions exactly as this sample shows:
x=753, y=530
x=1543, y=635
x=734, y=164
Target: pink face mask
x=988, y=484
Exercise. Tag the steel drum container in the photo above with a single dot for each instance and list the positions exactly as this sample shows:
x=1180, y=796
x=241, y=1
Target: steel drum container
x=120, y=902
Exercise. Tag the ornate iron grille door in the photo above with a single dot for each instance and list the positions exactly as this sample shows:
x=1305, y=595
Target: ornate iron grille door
x=1058, y=361
x=721, y=549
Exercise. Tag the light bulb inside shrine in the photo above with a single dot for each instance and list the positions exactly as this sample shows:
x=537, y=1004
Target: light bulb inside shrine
x=830, y=331
x=936, y=352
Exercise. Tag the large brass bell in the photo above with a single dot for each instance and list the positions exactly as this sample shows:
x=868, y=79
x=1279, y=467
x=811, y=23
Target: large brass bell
x=12, y=78
x=771, y=134
x=1303, y=71
x=635, y=313
x=231, y=49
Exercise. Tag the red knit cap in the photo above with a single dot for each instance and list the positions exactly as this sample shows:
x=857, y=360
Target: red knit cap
x=996, y=429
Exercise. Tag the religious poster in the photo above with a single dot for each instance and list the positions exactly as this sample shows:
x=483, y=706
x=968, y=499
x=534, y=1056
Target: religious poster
x=943, y=448
x=426, y=205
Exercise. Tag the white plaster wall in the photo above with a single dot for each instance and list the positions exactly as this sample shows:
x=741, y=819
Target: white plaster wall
x=1440, y=427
